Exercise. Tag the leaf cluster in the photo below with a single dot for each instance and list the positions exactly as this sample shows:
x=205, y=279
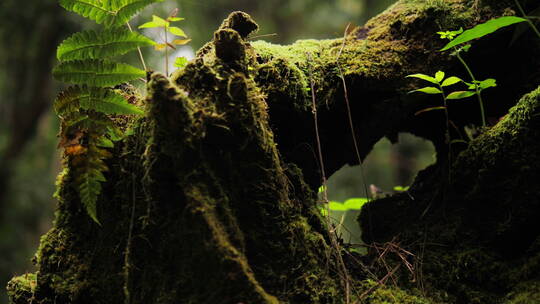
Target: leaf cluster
x=441, y=82
x=458, y=41
x=87, y=107
x=165, y=24
x=478, y=31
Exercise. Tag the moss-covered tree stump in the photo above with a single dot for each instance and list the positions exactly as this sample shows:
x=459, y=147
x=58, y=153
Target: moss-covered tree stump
x=211, y=198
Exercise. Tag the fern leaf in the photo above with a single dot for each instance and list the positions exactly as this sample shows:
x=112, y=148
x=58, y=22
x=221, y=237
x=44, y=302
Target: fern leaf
x=108, y=102
x=104, y=142
x=89, y=175
x=104, y=44
x=67, y=101
x=112, y=13
x=125, y=9
x=77, y=119
x=96, y=73
x=99, y=124
x=91, y=9
x=100, y=100
x=89, y=186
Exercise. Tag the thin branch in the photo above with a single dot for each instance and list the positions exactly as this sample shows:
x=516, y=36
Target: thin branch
x=139, y=50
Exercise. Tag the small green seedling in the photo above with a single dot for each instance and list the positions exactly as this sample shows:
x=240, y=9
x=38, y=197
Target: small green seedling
x=440, y=82
x=165, y=24
x=450, y=35
x=475, y=86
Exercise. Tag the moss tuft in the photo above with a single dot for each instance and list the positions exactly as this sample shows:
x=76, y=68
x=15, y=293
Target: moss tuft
x=241, y=23
x=20, y=290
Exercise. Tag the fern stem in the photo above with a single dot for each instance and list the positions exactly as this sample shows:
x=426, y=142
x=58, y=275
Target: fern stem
x=138, y=49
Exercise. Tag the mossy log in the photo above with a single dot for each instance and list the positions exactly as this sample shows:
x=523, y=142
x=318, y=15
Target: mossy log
x=211, y=198
x=475, y=231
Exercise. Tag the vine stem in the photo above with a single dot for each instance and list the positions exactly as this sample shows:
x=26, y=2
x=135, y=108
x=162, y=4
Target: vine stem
x=138, y=49
x=528, y=20
x=481, y=102
x=332, y=233
x=349, y=115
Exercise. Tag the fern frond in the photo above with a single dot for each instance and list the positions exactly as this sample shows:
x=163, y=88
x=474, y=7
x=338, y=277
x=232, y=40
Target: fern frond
x=97, y=45
x=91, y=9
x=96, y=72
x=89, y=169
x=108, y=102
x=96, y=122
x=96, y=99
x=125, y=9
x=112, y=13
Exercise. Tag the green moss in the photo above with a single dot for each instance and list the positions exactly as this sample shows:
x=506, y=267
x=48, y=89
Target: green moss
x=479, y=243
x=285, y=73
x=199, y=194
x=386, y=294
x=525, y=293
x=240, y=22
x=21, y=289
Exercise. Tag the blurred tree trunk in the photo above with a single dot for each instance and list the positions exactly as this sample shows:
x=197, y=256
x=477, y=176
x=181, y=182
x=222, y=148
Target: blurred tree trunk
x=212, y=198
x=29, y=37
x=29, y=33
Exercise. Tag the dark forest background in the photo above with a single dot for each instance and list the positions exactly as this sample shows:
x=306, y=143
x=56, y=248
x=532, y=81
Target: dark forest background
x=29, y=160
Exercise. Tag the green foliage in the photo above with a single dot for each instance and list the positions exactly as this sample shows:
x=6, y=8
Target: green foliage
x=180, y=62
x=89, y=170
x=104, y=44
x=475, y=87
x=89, y=98
x=438, y=80
x=401, y=188
x=441, y=83
x=96, y=72
x=450, y=34
x=350, y=204
x=480, y=30
x=87, y=127
x=165, y=25
x=355, y=203
x=111, y=13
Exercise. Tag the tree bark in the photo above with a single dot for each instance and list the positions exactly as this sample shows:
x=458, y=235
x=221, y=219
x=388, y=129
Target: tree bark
x=212, y=198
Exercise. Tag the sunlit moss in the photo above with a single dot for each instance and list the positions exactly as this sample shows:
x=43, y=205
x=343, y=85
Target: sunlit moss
x=21, y=288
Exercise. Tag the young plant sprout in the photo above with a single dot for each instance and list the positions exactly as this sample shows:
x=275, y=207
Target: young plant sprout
x=165, y=25
x=440, y=83
x=475, y=87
